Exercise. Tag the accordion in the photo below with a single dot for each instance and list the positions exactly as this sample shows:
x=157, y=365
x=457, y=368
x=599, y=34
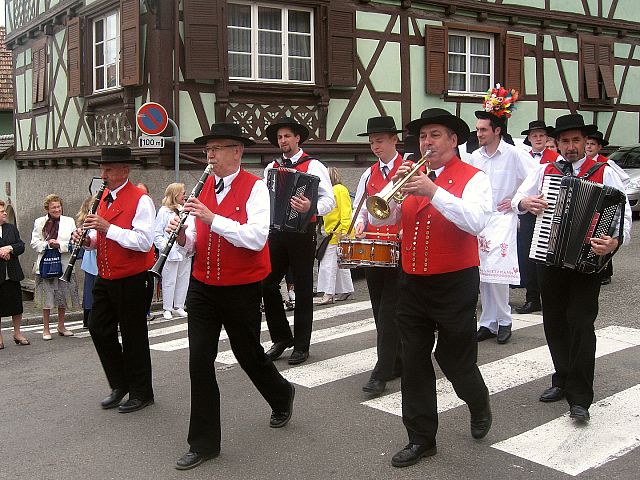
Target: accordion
x=283, y=184
x=578, y=211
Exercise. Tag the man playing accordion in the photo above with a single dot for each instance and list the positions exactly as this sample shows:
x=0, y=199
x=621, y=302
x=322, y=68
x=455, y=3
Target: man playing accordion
x=570, y=297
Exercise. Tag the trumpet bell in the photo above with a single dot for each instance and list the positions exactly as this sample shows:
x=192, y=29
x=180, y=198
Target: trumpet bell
x=378, y=207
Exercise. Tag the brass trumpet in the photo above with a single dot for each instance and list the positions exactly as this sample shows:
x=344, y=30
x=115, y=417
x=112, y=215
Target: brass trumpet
x=378, y=205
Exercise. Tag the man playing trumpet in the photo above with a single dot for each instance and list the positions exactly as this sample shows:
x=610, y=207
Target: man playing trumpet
x=438, y=286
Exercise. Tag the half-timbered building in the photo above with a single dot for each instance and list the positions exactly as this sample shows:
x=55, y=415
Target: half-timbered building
x=83, y=67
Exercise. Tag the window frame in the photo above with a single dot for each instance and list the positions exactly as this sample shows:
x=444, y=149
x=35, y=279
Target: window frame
x=255, y=55
x=93, y=43
x=493, y=57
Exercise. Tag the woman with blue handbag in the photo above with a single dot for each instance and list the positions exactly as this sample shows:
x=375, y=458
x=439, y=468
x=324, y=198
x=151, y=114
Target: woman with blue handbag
x=50, y=238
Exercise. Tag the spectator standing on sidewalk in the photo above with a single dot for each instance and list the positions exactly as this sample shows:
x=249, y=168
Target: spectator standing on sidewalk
x=54, y=231
x=11, y=246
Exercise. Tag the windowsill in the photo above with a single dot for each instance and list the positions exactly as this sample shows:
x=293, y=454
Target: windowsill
x=105, y=97
x=271, y=87
x=463, y=97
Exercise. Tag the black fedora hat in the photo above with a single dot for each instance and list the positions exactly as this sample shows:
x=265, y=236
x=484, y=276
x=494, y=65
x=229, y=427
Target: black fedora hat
x=440, y=116
x=537, y=125
x=599, y=137
x=499, y=121
x=297, y=128
x=225, y=130
x=384, y=124
x=115, y=155
x=573, y=121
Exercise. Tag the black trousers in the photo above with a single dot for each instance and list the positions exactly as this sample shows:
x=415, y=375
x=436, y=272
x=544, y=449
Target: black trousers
x=570, y=308
x=238, y=309
x=446, y=303
x=528, y=269
x=383, y=290
x=295, y=251
x=123, y=302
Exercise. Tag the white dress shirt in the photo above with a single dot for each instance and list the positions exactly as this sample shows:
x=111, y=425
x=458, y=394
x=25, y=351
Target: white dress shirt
x=363, y=216
x=532, y=185
x=161, y=237
x=326, y=202
x=140, y=237
x=624, y=177
x=251, y=235
x=469, y=213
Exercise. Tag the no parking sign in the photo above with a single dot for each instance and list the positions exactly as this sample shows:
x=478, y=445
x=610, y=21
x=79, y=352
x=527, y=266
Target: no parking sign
x=152, y=118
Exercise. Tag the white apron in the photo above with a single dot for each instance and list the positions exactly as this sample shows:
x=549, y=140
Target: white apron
x=497, y=245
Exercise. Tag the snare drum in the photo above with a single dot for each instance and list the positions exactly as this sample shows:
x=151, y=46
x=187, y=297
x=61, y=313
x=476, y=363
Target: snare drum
x=356, y=252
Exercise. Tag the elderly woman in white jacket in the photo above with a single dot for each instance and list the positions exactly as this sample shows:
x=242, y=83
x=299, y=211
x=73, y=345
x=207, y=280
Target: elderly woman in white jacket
x=177, y=269
x=54, y=231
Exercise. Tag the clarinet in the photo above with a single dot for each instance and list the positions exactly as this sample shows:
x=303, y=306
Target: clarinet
x=66, y=276
x=156, y=270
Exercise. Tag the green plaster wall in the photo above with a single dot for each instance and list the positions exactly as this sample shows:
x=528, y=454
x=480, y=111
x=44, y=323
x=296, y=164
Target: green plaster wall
x=631, y=94
x=530, y=77
x=573, y=6
x=529, y=38
x=22, y=142
x=621, y=50
x=524, y=113
x=376, y=22
x=567, y=44
x=209, y=103
x=526, y=3
x=385, y=76
x=625, y=129
x=627, y=10
x=189, y=126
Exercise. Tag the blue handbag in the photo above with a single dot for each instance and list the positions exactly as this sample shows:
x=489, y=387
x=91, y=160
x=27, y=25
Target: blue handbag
x=50, y=263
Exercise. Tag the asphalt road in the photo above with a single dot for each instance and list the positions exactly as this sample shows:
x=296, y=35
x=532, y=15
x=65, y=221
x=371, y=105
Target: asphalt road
x=51, y=426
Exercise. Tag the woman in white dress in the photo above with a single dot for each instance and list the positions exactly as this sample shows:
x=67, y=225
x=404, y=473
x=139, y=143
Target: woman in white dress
x=54, y=231
x=177, y=269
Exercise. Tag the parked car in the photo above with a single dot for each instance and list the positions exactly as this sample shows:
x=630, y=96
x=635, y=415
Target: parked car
x=629, y=159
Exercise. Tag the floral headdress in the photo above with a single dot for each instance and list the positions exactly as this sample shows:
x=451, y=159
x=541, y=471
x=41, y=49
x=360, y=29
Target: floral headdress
x=500, y=102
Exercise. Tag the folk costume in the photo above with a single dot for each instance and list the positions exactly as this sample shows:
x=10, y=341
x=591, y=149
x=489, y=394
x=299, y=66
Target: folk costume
x=382, y=282
x=122, y=290
x=231, y=259
x=438, y=290
x=506, y=168
x=528, y=271
x=295, y=250
x=569, y=297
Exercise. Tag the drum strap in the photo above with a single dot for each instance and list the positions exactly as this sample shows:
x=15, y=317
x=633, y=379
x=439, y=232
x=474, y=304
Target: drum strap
x=353, y=220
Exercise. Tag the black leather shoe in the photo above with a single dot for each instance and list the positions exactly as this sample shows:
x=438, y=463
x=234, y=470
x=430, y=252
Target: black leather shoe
x=412, y=453
x=278, y=349
x=280, y=419
x=605, y=281
x=134, y=404
x=552, y=394
x=114, y=399
x=579, y=413
x=375, y=387
x=193, y=459
x=481, y=423
x=297, y=357
x=484, y=333
x=504, y=334
x=529, y=307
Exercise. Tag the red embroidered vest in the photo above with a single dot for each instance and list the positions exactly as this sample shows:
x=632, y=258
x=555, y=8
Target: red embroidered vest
x=548, y=156
x=430, y=243
x=374, y=185
x=115, y=261
x=217, y=261
x=597, y=176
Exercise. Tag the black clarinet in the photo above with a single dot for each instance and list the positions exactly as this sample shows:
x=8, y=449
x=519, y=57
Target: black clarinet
x=66, y=276
x=156, y=270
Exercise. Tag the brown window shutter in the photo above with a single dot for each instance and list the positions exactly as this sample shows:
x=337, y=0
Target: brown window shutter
x=342, y=47
x=42, y=73
x=129, y=42
x=74, y=57
x=437, y=52
x=514, y=62
x=204, y=25
x=605, y=63
x=590, y=69
x=35, y=68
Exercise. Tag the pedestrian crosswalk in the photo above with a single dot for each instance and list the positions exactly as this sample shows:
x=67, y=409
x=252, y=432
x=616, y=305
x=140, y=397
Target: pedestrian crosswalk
x=612, y=432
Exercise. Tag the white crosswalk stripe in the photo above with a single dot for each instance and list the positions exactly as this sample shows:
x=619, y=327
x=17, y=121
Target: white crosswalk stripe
x=513, y=371
x=612, y=432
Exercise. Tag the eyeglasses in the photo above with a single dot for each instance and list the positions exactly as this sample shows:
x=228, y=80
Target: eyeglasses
x=218, y=148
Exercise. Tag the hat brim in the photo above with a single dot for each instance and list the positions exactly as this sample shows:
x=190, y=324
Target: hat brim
x=459, y=126
x=247, y=142
x=585, y=129
x=298, y=129
x=528, y=131
x=382, y=130
x=123, y=160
